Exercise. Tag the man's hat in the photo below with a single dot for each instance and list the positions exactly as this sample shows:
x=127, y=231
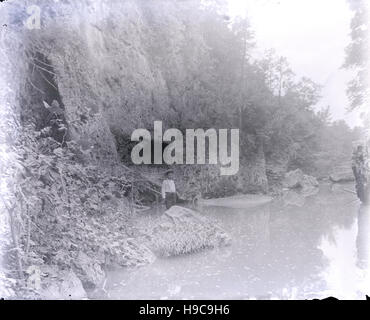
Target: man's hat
x=168, y=172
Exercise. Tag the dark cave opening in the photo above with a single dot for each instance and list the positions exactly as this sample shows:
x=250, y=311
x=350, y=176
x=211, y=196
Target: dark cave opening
x=41, y=102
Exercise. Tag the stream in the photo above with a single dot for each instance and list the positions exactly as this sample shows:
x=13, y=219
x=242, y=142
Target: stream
x=292, y=248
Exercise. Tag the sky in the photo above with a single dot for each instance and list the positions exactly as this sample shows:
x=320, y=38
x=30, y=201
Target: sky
x=312, y=35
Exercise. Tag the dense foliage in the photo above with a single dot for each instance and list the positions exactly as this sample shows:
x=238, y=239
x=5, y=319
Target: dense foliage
x=357, y=57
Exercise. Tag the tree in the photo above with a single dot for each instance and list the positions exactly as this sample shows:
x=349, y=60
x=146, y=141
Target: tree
x=357, y=57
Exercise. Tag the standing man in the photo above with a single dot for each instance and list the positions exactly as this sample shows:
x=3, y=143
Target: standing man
x=169, y=190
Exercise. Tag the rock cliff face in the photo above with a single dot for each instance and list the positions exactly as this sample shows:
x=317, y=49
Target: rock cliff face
x=116, y=67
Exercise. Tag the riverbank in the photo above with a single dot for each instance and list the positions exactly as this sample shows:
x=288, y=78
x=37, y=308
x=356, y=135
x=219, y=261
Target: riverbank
x=155, y=237
x=116, y=234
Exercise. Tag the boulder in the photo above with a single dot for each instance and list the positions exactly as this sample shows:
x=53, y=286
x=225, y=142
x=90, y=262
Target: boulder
x=308, y=182
x=6, y=286
x=309, y=185
x=297, y=179
x=88, y=270
x=342, y=175
x=293, y=179
x=52, y=283
x=181, y=230
x=129, y=253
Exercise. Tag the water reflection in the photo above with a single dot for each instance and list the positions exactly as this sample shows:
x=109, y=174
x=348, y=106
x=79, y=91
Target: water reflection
x=363, y=237
x=347, y=254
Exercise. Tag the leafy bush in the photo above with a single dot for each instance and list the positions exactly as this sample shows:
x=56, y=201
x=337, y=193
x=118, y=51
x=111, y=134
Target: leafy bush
x=64, y=205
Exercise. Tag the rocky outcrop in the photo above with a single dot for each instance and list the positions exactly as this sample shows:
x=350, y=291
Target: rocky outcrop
x=299, y=187
x=297, y=179
x=129, y=254
x=309, y=185
x=293, y=178
x=181, y=230
x=118, y=94
x=6, y=286
x=342, y=174
x=52, y=283
x=88, y=270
